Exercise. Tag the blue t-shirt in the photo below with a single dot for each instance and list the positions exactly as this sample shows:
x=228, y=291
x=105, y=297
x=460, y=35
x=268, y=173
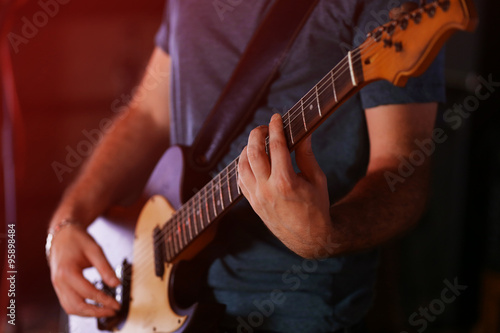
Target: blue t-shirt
x=263, y=284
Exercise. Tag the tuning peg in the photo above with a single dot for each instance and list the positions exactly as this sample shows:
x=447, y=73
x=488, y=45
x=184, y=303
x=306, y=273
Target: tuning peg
x=397, y=12
x=431, y=10
x=378, y=34
x=417, y=17
x=403, y=23
x=444, y=4
x=390, y=28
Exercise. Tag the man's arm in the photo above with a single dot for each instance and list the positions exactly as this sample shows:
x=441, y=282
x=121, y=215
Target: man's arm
x=115, y=173
x=296, y=207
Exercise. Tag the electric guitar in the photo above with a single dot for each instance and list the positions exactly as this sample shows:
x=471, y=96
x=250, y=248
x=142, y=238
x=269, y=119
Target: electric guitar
x=164, y=238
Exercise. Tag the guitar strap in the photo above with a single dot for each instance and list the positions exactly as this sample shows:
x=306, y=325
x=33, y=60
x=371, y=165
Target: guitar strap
x=249, y=81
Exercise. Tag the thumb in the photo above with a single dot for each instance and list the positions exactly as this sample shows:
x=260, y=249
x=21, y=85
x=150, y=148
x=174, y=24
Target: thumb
x=306, y=161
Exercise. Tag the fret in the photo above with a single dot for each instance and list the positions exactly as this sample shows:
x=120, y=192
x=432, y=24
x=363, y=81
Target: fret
x=333, y=86
x=200, y=212
x=207, y=210
x=163, y=239
x=224, y=193
x=311, y=115
x=326, y=95
x=184, y=232
x=191, y=220
x=303, y=113
x=357, y=67
x=351, y=69
x=168, y=255
x=220, y=192
x=303, y=117
x=179, y=235
x=178, y=230
x=343, y=81
x=237, y=177
x=197, y=212
x=192, y=217
x=172, y=242
x=203, y=211
x=213, y=198
x=190, y=227
x=173, y=239
x=298, y=121
x=229, y=185
x=311, y=102
x=170, y=245
x=317, y=100
x=233, y=184
x=290, y=128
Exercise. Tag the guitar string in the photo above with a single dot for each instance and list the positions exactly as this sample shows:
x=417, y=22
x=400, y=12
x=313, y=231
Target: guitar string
x=202, y=201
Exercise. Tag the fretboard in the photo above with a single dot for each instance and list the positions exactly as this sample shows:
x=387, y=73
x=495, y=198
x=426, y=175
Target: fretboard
x=218, y=195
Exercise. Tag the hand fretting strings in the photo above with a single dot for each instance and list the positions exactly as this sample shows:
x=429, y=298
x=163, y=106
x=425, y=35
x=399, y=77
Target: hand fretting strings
x=288, y=119
x=201, y=199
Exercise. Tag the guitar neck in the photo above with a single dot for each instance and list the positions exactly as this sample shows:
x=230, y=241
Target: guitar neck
x=219, y=194
x=323, y=99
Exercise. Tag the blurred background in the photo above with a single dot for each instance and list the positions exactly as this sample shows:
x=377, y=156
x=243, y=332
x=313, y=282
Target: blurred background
x=75, y=68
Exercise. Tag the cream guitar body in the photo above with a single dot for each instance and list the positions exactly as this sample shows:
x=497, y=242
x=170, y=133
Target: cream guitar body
x=150, y=309
x=149, y=302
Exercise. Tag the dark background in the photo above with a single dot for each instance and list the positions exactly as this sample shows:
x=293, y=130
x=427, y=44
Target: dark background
x=92, y=52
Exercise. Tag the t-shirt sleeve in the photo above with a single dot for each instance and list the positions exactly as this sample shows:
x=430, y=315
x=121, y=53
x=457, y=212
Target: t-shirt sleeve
x=161, y=37
x=428, y=87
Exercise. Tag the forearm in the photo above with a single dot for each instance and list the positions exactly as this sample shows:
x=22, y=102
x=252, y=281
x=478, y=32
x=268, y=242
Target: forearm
x=373, y=213
x=117, y=170
x=376, y=209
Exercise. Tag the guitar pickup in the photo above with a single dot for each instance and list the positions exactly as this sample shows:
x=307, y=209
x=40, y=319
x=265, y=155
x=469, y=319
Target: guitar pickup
x=159, y=251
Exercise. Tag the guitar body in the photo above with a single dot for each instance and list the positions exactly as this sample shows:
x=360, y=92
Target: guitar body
x=150, y=309
x=152, y=305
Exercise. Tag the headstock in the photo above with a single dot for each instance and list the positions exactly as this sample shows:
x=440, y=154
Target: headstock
x=407, y=45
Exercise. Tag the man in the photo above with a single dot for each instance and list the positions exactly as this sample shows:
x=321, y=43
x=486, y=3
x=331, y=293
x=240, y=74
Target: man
x=313, y=247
